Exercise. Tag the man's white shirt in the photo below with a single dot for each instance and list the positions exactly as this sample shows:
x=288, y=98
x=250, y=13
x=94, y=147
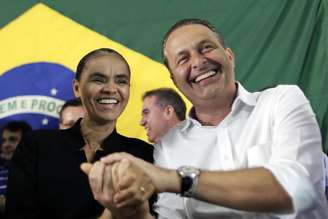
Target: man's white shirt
x=275, y=129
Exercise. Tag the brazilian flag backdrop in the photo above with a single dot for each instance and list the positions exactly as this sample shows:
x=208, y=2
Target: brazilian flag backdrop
x=41, y=42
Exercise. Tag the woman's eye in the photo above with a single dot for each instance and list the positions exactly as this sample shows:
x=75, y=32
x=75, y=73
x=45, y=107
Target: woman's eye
x=122, y=81
x=98, y=80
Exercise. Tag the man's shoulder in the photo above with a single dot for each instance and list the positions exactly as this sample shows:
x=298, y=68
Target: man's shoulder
x=175, y=132
x=281, y=93
x=280, y=89
x=282, y=99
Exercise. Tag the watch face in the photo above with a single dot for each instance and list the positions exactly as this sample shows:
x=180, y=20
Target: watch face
x=188, y=171
x=189, y=176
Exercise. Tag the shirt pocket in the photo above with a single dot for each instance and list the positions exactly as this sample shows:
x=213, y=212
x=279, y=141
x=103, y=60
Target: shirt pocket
x=259, y=155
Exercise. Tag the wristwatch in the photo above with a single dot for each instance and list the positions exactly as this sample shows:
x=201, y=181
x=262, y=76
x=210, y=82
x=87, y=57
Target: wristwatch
x=189, y=180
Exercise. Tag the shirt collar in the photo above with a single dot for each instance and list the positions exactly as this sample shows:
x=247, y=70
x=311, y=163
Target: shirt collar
x=243, y=96
x=75, y=132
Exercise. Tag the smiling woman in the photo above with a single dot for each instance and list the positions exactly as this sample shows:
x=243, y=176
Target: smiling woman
x=104, y=89
x=45, y=175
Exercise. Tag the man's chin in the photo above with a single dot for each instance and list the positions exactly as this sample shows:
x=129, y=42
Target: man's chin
x=151, y=140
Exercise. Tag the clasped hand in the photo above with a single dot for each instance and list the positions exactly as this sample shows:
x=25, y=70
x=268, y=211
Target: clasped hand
x=122, y=187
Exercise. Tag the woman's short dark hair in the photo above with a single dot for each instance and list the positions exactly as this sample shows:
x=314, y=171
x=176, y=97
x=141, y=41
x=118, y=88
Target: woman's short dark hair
x=85, y=59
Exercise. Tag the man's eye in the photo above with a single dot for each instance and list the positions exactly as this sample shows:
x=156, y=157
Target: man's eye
x=207, y=48
x=182, y=60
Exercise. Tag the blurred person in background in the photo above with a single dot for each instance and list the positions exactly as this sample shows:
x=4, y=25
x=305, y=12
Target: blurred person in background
x=12, y=133
x=70, y=112
x=162, y=109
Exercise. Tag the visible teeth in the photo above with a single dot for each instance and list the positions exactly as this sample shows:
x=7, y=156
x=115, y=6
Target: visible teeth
x=107, y=101
x=203, y=76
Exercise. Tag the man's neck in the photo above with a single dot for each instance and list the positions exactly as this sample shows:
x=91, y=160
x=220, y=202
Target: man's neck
x=212, y=117
x=213, y=112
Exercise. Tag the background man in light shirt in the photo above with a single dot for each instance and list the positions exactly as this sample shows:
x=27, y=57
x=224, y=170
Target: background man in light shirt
x=162, y=109
x=239, y=154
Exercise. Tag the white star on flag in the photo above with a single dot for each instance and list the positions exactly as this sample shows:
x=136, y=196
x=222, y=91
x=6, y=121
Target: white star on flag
x=53, y=91
x=45, y=121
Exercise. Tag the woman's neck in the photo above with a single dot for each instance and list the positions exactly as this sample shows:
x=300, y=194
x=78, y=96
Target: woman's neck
x=94, y=132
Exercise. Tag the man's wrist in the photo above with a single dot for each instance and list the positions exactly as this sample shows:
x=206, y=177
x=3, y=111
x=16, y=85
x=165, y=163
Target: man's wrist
x=168, y=182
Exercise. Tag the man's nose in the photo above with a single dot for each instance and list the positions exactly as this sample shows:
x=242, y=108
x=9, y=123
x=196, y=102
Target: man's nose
x=197, y=60
x=142, y=121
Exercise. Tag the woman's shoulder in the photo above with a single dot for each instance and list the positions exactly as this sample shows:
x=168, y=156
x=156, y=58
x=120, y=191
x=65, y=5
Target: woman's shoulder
x=138, y=147
x=43, y=134
x=134, y=141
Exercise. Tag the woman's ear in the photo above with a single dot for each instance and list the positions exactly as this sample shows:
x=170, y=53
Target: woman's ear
x=76, y=88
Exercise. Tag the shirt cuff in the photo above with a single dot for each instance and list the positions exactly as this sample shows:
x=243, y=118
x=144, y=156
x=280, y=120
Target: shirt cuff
x=295, y=180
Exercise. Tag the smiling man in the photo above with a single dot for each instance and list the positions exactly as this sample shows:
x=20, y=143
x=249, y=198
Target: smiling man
x=238, y=154
x=162, y=109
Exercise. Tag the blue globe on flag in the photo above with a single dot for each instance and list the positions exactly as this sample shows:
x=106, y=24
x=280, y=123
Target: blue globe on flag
x=35, y=93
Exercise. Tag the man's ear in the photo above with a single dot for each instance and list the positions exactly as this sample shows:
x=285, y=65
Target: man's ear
x=231, y=56
x=76, y=88
x=169, y=111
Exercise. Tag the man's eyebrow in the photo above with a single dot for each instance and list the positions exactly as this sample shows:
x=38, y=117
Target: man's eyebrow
x=182, y=52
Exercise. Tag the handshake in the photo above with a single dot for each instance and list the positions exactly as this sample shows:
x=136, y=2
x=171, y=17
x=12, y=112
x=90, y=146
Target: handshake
x=123, y=184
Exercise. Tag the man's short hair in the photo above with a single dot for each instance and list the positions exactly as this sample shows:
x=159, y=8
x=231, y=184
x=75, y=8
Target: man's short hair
x=168, y=96
x=185, y=22
x=76, y=102
x=16, y=126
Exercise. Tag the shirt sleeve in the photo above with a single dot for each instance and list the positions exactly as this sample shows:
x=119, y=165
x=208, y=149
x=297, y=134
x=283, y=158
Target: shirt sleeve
x=296, y=150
